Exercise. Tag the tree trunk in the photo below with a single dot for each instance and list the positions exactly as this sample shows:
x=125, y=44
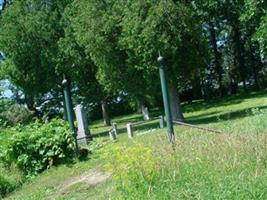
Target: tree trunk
x=29, y=100
x=255, y=67
x=239, y=53
x=196, y=86
x=256, y=76
x=141, y=109
x=216, y=53
x=105, y=113
x=141, y=105
x=65, y=115
x=176, y=109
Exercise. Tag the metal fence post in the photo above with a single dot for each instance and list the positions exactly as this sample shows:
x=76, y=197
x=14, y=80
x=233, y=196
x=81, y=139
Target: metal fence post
x=166, y=100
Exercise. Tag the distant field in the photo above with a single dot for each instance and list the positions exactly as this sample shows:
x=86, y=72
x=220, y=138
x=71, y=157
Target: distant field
x=204, y=165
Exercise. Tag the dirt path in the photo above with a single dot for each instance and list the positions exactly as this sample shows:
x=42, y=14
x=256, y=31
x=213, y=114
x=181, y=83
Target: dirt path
x=92, y=178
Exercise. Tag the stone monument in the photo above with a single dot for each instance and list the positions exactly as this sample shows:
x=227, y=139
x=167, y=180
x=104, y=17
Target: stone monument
x=129, y=130
x=145, y=114
x=115, y=128
x=161, y=121
x=83, y=133
x=112, y=134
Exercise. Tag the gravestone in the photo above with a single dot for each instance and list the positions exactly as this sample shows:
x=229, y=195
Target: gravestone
x=115, y=128
x=112, y=134
x=129, y=130
x=83, y=133
x=161, y=121
x=145, y=114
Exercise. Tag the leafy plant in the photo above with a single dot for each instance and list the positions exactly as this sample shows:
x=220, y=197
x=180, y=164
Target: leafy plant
x=36, y=147
x=132, y=167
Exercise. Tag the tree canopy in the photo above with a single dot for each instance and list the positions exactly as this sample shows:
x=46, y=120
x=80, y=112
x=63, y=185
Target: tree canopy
x=109, y=48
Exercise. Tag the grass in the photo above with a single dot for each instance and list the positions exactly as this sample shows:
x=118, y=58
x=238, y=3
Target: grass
x=203, y=166
x=232, y=165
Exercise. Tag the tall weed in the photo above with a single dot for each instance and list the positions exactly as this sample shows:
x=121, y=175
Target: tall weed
x=202, y=166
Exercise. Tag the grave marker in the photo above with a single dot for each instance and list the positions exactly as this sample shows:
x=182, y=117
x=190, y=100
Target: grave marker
x=83, y=133
x=145, y=113
x=112, y=134
x=115, y=128
x=129, y=130
x=161, y=121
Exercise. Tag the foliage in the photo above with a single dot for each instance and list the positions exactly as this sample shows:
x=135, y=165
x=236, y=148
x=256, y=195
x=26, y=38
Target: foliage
x=5, y=186
x=133, y=168
x=209, y=46
x=9, y=180
x=203, y=166
x=16, y=114
x=262, y=34
x=29, y=42
x=38, y=146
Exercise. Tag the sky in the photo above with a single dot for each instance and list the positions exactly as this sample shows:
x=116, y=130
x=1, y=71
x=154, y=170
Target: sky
x=4, y=88
x=4, y=84
x=1, y=1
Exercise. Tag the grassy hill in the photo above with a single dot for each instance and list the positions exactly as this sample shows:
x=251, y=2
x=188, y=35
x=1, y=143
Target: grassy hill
x=201, y=165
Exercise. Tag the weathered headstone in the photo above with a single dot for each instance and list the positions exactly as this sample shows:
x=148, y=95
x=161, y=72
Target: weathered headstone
x=115, y=128
x=129, y=130
x=83, y=133
x=112, y=134
x=145, y=114
x=161, y=121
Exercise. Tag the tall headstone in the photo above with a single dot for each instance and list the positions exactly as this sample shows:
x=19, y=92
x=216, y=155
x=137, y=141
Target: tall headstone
x=83, y=133
x=129, y=130
x=145, y=114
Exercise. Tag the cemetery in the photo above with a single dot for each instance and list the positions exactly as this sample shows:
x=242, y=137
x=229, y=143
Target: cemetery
x=134, y=100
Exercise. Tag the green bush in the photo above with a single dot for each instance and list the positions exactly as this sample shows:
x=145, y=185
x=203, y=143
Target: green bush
x=15, y=114
x=36, y=147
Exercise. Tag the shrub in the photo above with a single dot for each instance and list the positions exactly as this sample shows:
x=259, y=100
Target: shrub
x=36, y=147
x=15, y=114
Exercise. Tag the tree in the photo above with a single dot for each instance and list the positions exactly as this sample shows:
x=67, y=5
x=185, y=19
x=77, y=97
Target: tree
x=256, y=12
x=29, y=35
x=98, y=31
x=208, y=12
x=167, y=27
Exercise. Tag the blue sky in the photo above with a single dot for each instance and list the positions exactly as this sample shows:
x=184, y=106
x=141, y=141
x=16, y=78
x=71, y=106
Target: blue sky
x=1, y=1
x=5, y=83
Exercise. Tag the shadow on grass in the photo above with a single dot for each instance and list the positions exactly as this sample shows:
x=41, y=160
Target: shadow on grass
x=223, y=117
x=204, y=115
x=225, y=101
x=203, y=118
x=139, y=126
x=205, y=105
x=128, y=119
x=146, y=126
